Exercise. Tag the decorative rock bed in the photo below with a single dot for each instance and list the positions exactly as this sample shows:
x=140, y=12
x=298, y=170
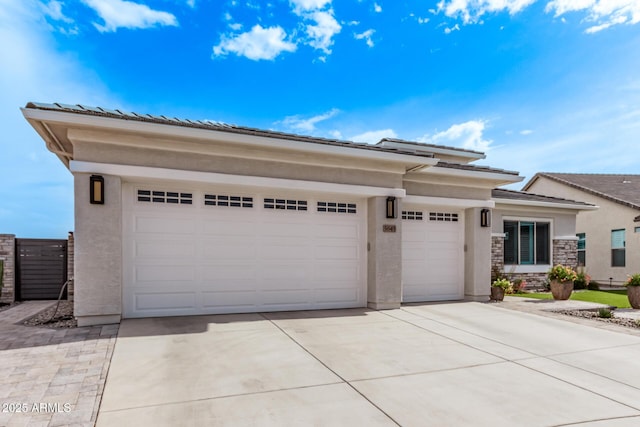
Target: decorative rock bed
x=63, y=317
x=590, y=314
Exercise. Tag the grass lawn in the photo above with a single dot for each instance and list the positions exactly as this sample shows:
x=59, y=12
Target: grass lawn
x=614, y=298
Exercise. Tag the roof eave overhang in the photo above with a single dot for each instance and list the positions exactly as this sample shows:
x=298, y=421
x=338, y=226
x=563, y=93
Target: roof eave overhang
x=40, y=118
x=470, y=155
x=488, y=179
x=539, y=204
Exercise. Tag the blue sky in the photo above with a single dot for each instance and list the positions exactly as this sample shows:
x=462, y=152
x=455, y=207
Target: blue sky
x=547, y=85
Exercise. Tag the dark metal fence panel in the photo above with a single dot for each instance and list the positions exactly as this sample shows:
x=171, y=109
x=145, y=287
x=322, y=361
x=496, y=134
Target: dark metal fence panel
x=41, y=268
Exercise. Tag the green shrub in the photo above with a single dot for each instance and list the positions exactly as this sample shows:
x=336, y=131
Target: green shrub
x=593, y=286
x=633, y=280
x=582, y=280
x=502, y=283
x=604, y=313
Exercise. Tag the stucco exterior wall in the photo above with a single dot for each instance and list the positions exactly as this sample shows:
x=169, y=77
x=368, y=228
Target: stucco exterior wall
x=8, y=279
x=98, y=253
x=449, y=191
x=384, y=257
x=132, y=156
x=597, y=225
x=477, y=257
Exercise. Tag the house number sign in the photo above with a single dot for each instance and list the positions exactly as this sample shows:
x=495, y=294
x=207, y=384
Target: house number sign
x=388, y=228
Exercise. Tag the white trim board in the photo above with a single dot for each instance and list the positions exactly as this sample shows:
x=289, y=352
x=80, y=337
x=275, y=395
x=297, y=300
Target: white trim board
x=144, y=172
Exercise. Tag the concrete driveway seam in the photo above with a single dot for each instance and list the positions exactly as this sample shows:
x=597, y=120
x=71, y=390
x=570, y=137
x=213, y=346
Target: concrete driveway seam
x=459, y=341
x=329, y=368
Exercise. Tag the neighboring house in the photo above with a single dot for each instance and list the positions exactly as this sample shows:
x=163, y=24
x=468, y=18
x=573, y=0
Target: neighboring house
x=177, y=217
x=609, y=238
x=532, y=232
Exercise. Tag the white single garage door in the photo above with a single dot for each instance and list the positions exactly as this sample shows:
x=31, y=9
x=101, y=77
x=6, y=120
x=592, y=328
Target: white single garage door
x=432, y=254
x=221, y=250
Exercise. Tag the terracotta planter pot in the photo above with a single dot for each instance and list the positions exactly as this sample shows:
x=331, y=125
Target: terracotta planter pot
x=633, y=293
x=497, y=294
x=561, y=290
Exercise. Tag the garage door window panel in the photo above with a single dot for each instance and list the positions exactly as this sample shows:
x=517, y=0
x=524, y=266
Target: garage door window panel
x=337, y=207
x=285, y=204
x=168, y=197
x=228, y=201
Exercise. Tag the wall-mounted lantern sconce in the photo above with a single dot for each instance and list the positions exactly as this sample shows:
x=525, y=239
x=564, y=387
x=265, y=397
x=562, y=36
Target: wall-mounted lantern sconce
x=96, y=191
x=485, y=218
x=391, y=207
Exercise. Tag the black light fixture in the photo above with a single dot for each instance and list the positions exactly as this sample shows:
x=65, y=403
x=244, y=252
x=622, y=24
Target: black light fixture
x=391, y=207
x=485, y=218
x=96, y=190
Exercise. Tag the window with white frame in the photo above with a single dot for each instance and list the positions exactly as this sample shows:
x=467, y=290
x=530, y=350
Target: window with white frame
x=618, y=243
x=582, y=249
x=527, y=243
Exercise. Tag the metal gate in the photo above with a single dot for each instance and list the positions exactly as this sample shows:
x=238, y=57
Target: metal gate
x=41, y=268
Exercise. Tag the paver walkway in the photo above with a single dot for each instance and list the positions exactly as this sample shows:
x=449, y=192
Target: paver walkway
x=51, y=377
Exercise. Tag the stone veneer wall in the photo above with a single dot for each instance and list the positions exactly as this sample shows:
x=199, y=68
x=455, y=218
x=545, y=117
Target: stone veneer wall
x=497, y=257
x=565, y=252
x=7, y=254
x=70, y=264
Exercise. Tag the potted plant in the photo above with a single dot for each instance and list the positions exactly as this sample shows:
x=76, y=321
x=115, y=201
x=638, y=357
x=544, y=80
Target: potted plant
x=561, y=278
x=633, y=290
x=498, y=288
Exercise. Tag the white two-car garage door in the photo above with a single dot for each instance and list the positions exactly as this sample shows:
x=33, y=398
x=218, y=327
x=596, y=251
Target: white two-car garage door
x=216, y=250
x=432, y=254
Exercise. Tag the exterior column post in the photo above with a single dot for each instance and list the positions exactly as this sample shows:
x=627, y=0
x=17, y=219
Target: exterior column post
x=97, y=292
x=477, y=257
x=384, y=255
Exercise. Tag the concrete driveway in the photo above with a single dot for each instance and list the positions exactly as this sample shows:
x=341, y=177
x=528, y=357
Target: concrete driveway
x=458, y=364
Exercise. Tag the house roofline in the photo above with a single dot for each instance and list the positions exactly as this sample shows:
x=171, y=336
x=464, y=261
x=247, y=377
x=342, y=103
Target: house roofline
x=579, y=187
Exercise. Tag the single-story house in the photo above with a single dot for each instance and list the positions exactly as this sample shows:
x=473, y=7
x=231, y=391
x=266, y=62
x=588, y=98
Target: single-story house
x=180, y=217
x=609, y=238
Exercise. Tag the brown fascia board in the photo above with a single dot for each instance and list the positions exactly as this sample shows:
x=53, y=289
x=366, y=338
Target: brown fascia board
x=581, y=188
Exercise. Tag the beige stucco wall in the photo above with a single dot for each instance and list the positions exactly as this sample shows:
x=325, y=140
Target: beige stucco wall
x=384, y=257
x=133, y=156
x=477, y=257
x=443, y=190
x=98, y=253
x=597, y=225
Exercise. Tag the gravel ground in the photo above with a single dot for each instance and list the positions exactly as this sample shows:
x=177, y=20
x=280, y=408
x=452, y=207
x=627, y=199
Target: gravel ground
x=63, y=317
x=587, y=314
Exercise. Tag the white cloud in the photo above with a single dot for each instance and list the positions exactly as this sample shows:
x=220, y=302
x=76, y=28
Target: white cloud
x=53, y=10
x=366, y=36
x=449, y=30
x=374, y=136
x=377, y=7
x=259, y=43
x=526, y=132
x=297, y=123
x=191, y=3
x=467, y=135
x=321, y=34
x=125, y=14
x=300, y=6
x=603, y=13
x=423, y=20
x=470, y=11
